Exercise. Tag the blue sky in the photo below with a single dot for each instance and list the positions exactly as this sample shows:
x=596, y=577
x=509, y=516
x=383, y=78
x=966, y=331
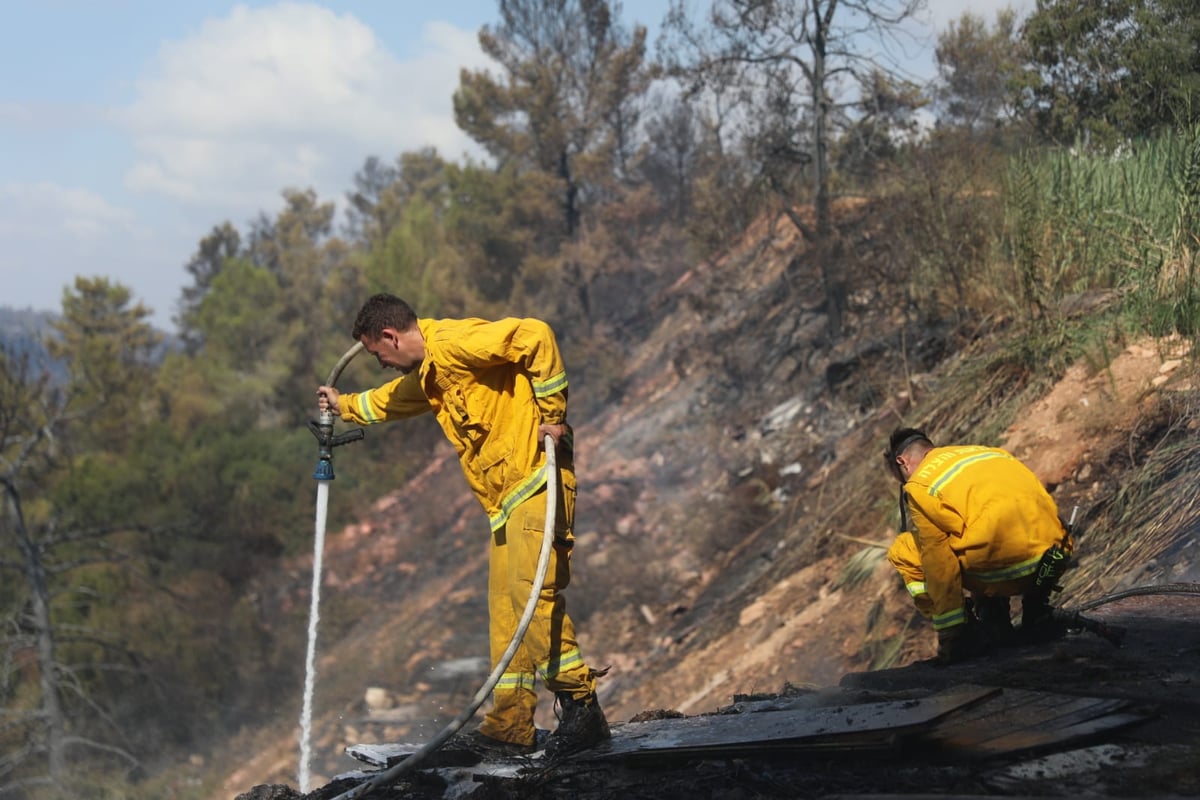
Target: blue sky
x=130, y=128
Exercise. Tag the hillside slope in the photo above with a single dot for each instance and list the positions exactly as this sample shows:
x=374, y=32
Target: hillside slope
x=729, y=493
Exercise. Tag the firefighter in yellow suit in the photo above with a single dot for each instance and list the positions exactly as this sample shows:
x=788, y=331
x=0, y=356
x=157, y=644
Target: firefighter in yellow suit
x=496, y=389
x=976, y=519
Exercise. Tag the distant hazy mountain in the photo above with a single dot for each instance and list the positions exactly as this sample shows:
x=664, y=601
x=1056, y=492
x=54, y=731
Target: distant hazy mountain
x=23, y=331
x=21, y=334
x=26, y=320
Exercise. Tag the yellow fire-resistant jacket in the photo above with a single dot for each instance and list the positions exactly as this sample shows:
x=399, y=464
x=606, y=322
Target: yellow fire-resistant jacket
x=977, y=514
x=490, y=384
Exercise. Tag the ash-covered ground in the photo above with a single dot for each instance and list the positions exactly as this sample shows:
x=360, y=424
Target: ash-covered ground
x=1132, y=730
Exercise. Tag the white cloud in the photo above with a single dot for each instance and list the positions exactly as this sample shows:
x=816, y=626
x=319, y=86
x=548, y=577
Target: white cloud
x=46, y=210
x=290, y=95
x=52, y=233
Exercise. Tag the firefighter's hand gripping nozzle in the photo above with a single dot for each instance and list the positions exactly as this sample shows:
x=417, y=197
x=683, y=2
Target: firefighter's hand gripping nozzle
x=326, y=441
x=322, y=428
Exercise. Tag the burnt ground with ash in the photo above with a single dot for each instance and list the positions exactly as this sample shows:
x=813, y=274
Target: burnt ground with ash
x=730, y=529
x=1149, y=748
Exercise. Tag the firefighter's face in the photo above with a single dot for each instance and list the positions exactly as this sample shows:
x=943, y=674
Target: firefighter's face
x=399, y=350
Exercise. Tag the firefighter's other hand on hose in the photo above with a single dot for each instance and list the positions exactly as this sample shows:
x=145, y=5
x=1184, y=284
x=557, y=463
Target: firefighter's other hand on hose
x=555, y=432
x=327, y=399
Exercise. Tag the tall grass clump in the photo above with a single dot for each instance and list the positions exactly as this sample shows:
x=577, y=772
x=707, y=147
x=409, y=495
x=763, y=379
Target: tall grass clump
x=1128, y=220
x=1168, y=300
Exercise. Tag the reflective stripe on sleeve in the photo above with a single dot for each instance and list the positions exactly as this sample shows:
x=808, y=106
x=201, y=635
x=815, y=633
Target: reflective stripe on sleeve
x=552, y=385
x=363, y=402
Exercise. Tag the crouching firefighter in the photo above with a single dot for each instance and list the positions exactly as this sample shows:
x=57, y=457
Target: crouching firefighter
x=975, y=518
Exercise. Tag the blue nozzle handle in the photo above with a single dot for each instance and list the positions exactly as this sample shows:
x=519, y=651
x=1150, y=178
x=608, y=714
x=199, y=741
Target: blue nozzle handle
x=324, y=470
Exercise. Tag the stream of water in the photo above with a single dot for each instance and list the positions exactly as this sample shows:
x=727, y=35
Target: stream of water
x=310, y=670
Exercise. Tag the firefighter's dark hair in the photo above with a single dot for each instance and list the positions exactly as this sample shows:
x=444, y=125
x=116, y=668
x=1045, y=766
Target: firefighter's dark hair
x=901, y=440
x=383, y=311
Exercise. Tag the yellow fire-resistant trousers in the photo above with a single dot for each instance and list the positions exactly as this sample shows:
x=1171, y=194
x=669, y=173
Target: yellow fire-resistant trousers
x=906, y=558
x=549, y=648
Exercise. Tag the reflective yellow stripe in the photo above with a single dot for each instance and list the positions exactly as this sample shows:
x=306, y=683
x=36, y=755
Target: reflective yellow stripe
x=953, y=472
x=949, y=619
x=552, y=385
x=566, y=661
x=363, y=401
x=1006, y=573
x=517, y=495
x=915, y=588
x=514, y=681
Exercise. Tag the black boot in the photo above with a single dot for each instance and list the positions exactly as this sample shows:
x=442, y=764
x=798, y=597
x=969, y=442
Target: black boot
x=1037, y=620
x=996, y=617
x=962, y=642
x=581, y=725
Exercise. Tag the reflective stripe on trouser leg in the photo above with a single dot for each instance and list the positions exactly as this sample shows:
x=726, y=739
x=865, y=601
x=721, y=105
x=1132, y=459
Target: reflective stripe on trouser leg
x=510, y=719
x=550, y=639
x=948, y=619
x=903, y=555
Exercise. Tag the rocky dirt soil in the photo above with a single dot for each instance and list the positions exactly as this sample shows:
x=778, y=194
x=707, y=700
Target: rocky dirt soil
x=730, y=524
